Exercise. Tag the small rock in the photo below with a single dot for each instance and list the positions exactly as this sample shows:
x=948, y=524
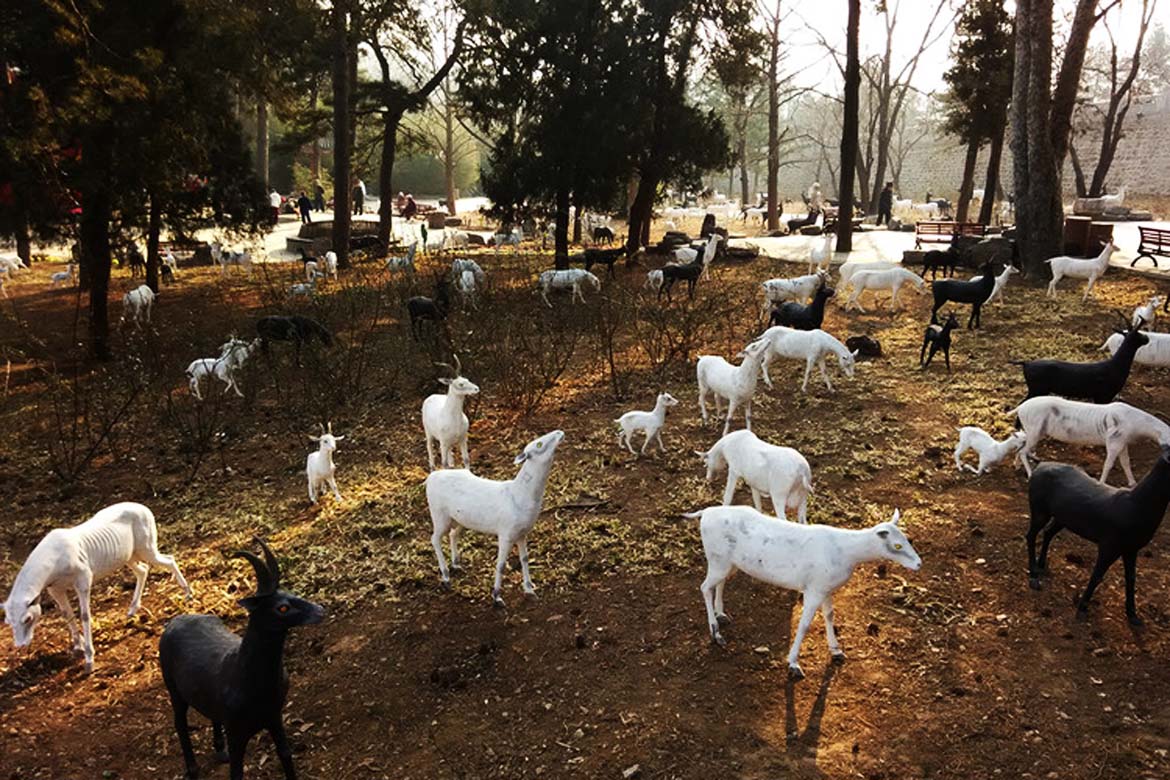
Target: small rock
x=763, y=650
x=630, y=772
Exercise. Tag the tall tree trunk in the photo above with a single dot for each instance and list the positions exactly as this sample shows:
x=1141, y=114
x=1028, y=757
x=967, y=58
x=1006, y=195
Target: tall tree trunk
x=991, y=185
x=561, y=230
x=641, y=213
x=390, y=122
x=577, y=223
x=449, y=156
x=95, y=254
x=315, y=149
x=774, y=123
x=967, y=186
x=341, y=133
x=262, y=139
x=1082, y=188
x=1064, y=96
x=22, y=237
x=849, y=131
x=743, y=173
x=154, y=227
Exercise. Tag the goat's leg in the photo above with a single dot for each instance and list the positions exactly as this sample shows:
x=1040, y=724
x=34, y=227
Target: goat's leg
x=441, y=525
x=764, y=368
x=60, y=597
x=237, y=746
x=717, y=573
x=658, y=437
x=1039, y=519
x=808, y=364
x=82, y=585
x=729, y=490
x=465, y=452
x=505, y=545
x=333, y=484
x=730, y=413
x=445, y=455
x=1113, y=448
x=1050, y=532
x=831, y=632
x=757, y=500
x=283, y=751
x=140, y=570
x=1104, y=561
x=825, y=374
x=646, y=443
x=453, y=537
x=522, y=550
x=183, y=730
x=312, y=491
x=217, y=742
x=1051, y=293
x=747, y=415
x=1125, y=465
x=812, y=602
x=1130, y=561
x=947, y=355
x=430, y=453
x=702, y=402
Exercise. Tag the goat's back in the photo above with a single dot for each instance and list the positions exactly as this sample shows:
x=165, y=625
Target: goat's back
x=192, y=655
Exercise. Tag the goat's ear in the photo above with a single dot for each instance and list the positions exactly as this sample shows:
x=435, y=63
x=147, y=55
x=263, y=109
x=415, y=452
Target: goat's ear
x=523, y=456
x=444, y=380
x=314, y=438
x=897, y=516
x=251, y=603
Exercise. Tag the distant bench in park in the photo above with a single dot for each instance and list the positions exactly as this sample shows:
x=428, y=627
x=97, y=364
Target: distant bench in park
x=1155, y=241
x=943, y=232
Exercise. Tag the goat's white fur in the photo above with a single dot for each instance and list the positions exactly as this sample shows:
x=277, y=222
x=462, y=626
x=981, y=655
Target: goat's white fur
x=654, y=279
x=224, y=258
x=74, y=558
x=811, y=346
x=61, y=277
x=1113, y=201
x=781, y=473
x=820, y=257
x=331, y=263
x=136, y=305
x=456, y=239
x=319, y=466
x=1000, y=283
x=404, y=263
x=1091, y=269
x=735, y=383
x=11, y=263
x=649, y=423
x=847, y=269
x=990, y=451
x=459, y=265
x=445, y=423
x=232, y=357
x=1155, y=353
x=798, y=288
x=1146, y=314
x=568, y=279
x=890, y=279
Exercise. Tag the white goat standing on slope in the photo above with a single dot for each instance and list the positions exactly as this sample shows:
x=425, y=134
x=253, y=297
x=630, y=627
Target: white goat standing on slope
x=508, y=510
x=1079, y=268
x=319, y=466
x=649, y=423
x=735, y=383
x=781, y=473
x=74, y=558
x=990, y=451
x=811, y=346
x=444, y=421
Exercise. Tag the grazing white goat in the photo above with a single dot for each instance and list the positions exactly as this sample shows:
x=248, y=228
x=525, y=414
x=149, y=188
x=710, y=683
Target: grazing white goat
x=811, y=346
x=1000, y=283
x=781, y=473
x=654, y=279
x=319, y=466
x=849, y=268
x=62, y=277
x=990, y=451
x=310, y=270
x=136, y=305
x=821, y=257
x=459, y=265
x=444, y=421
x=404, y=263
x=798, y=288
x=1079, y=268
x=74, y=558
x=649, y=423
x=735, y=383
x=903, y=204
x=890, y=279
x=232, y=357
x=507, y=509
x=224, y=258
x=512, y=238
x=926, y=209
x=465, y=284
x=331, y=263
x=569, y=279
x=1147, y=313
x=456, y=239
x=1113, y=426
x=1155, y=353
x=813, y=559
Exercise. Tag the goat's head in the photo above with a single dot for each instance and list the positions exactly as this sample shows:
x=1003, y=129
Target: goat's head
x=713, y=461
x=666, y=399
x=951, y=321
x=326, y=440
x=22, y=617
x=457, y=383
x=848, y=362
x=270, y=608
x=1017, y=440
x=594, y=282
x=754, y=350
x=894, y=545
x=541, y=450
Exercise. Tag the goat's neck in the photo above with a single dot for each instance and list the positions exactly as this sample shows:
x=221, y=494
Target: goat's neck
x=857, y=547
x=659, y=410
x=260, y=662
x=748, y=371
x=1153, y=492
x=36, y=574
x=454, y=403
x=532, y=478
x=1123, y=357
x=327, y=456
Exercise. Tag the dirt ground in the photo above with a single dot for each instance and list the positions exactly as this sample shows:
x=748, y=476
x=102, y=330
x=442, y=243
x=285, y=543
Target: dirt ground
x=956, y=671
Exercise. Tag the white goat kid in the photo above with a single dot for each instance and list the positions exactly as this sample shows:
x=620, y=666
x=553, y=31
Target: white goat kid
x=136, y=305
x=1113, y=426
x=319, y=466
x=813, y=559
x=649, y=423
x=735, y=383
x=1079, y=268
x=232, y=357
x=62, y=277
x=781, y=473
x=570, y=279
x=990, y=451
x=331, y=263
x=444, y=421
x=508, y=510
x=1156, y=353
x=798, y=288
x=820, y=257
x=811, y=346
x=890, y=279
x=1000, y=283
x=74, y=558
x=1147, y=313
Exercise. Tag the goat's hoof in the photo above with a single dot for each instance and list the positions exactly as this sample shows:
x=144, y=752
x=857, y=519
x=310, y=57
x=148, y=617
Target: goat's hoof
x=723, y=620
x=222, y=757
x=795, y=672
x=445, y=584
x=89, y=667
x=1135, y=621
x=717, y=637
x=1034, y=582
x=497, y=602
x=456, y=568
x=1082, y=614
x=530, y=591
x=838, y=658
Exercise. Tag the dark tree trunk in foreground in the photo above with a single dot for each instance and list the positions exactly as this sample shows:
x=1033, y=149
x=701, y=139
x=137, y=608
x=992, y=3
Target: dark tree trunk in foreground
x=385, y=173
x=341, y=134
x=561, y=232
x=154, y=227
x=95, y=253
x=849, y=131
x=262, y=140
x=967, y=186
x=991, y=185
x=23, y=239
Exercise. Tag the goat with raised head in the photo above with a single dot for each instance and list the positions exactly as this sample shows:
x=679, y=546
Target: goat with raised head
x=74, y=559
x=890, y=279
x=421, y=308
x=238, y=683
x=444, y=421
x=811, y=346
x=508, y=509
x=62, y=277
x=937, y=337
x=816, y=560
x=990, y=451
x=1099, y=382
x=780, y=473
x=802, y=316
x=820, y=258
x=1121, y=521
x=1000, y=282
x=975, y=293
x=224, y=258
x=735, y=383
x=1147, y=313
x=650, y=423
x=319, y=467
x=1090, y=269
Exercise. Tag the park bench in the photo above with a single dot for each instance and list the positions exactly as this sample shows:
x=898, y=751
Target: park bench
x=1155, y=241
x=943, y=232
x=198, y=252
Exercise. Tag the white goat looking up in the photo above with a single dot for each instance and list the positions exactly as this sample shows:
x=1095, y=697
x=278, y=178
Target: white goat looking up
x=849, y=268
x=444, y=421
x=232, y=357
x=508, y=510
x=890, y=279
x=990, y=451
x=74, y=558
x=813, y=559
x=569, y=279
x=1114, y=426
x=821, y=257
x=781, y=473
x=1156, y=353
x=649, y=423
x=136, y=305
x=1079, y=268
x=1000, y=283
x=319, y=465
x=735, y=383
x=798, y=288
x=811, y=346
x=1147, y=312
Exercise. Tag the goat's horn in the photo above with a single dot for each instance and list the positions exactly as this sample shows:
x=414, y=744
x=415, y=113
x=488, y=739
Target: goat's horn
x=458, y=365
x=264, y=583
x=449, y=367
x=330, y=431
x=273, y=566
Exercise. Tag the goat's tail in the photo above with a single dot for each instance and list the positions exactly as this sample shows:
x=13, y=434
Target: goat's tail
x=693, y=515
x=1049, y=260
x=807, y=482
x=1012, y=412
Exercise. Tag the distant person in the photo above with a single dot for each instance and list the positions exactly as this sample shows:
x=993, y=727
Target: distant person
x=306, y=206
x=359, y=197
x=274, y=201
x=886, y=203
x=400, y=201
x=410, y=209
x=319, y=197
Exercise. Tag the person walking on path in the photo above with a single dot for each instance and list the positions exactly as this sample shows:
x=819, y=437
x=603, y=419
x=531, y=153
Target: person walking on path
x=886, y=203
x=319, y=199
x=305, y=206
x=274, y=204
x=359, y=197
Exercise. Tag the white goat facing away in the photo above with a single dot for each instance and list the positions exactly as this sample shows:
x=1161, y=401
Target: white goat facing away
x=461, y=264
x=735, y=383
x=813, y=559
x=171, y=262
x=74, y=558
x=319, y=466
x=62, y=277
x=990, y=451
x=1079, y=268
x=1147, y=313
x=799, y=288
x=444, y=421
x=331, y=263
x=136, y=305
x=569, y=279
x=781, y=473
x=1114, y=426
x=820, y=257
x=224, y=258
x=685, y=255
x=649, y=423
x=1000, y=283
x=654, y=280
x=890, y=279
x=1155, y=353
x=811, y=346
x=232, y=357
x=507, y=509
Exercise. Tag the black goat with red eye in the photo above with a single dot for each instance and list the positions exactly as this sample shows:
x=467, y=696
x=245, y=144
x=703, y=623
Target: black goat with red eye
x=238, y=683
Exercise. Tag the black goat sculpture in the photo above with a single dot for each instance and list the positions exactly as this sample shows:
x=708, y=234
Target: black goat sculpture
x=1099, y=382
x=606, y=257
x=602, y=235
x=675, y=272
x=975, y=293
x=938, y=337
x=422, y=308
x=295, y=328
x=238, y=683
x=1120, y=521
x=947, y=260
x=803, y=316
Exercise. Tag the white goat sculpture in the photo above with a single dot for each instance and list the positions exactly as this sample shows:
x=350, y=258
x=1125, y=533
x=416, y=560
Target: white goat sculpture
x=456, y=239
x=813, y=559
x=331, y=263
x=798, y=288
x=1000, y=283
x=62, y=277
x=232, y=357
x=444, y=421
x=1147, y=313
x=74, y=558
x=465, y=284
x=649, y=423
x=569, y=279
x=507, y=509
x=811, y=346
x=224, y=258
x=654, y=280
x=820, y=257
x=11, y=263
x=1079, y=268
x=890, y=279
x=1155, y=353
x=136, y=305
x=1113, y=426
x=319, y=466
x=461, y=264
x=405, y=262
x=781, y=473
x=735, y=383
x=849, y=268
x=990, y=451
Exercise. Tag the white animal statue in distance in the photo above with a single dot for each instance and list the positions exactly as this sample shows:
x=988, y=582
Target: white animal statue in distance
x=507, y=509
x=319, y=466
x=74, y=559
x=650, y=423
x=443, y=418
